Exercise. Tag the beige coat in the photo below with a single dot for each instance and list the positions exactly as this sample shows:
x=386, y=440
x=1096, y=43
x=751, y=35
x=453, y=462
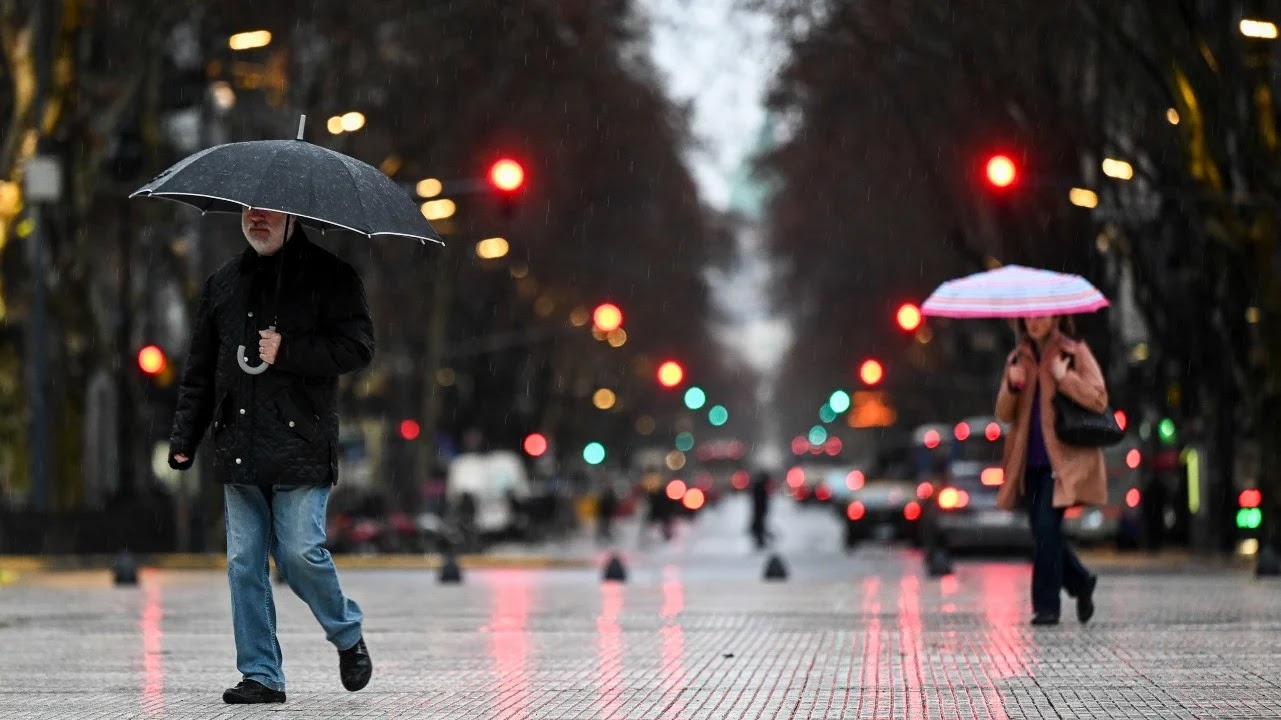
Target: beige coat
x=1080, y=476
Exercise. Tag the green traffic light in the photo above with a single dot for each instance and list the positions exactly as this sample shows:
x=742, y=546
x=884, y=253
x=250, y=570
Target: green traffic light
x=718, y=415
x=839, y=402
x=1249, y=518
x=1166, y=430
x=826, y=413
x=685, y=442
x=695, y=398
x=594, y=453
x=818, y=435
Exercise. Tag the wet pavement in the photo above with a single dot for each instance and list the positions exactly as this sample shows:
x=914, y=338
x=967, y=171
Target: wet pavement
x=695, y=632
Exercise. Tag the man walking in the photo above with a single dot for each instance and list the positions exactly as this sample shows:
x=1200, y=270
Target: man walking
x=302, y=311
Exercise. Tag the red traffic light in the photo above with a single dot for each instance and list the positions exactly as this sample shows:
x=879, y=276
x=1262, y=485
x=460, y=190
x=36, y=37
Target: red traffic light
x=871, y=372
x=152, y=360
x=535, y=444
x=607, y=317
x=1250, y=498
x=1001, y=171
x=908, y=317
x=670, y=374
x=507, y=175
x=409, y=429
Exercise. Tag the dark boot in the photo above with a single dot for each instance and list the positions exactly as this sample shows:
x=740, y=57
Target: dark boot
x=251, y=692
x=1045, y=618
x=1085, y=601
x=354, y=666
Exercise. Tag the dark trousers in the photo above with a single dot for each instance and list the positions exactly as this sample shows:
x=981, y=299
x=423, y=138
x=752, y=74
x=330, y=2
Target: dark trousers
x=1054, y=565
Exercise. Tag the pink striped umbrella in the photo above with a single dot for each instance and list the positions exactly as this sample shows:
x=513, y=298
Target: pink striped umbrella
x=1014, y=291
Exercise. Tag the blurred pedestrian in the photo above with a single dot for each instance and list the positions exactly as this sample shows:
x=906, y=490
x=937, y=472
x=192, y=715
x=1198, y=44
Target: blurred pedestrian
x=606, y=508
x=760, y=509
x=274, y=433
x=1042, y=473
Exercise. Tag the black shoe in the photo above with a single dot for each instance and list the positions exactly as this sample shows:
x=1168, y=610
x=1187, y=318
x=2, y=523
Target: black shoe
x=1044, y=618
x=252, y=692
x=354, y=666
x=1085, y=600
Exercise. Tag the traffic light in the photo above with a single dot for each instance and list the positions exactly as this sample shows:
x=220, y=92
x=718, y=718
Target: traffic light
x=1167, y=431
x=871, y=372
x=507, y=178
x=154, y=363
x=670, y=374
x=695, y=398
x=839, y=401
x=1000, y=171
x=607, y=317
x=908, y=317
x=1249, y=515
x=535, y=444
x=594, y=453
x=410, y=429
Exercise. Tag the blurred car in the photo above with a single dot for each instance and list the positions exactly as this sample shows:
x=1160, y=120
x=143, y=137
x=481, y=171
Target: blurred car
x=880, y=509
x=1120, y=519
x=816, y=481
x=961, y=510
x=963, y=513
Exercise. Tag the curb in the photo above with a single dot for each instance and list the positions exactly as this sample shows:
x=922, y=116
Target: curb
x=11, y=565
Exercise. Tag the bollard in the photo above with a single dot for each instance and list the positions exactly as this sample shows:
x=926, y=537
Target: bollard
x=614, y=570
x=775, y=569
x=450, y=572
x=125, y=569
x=1267, y=564
x=938, y=562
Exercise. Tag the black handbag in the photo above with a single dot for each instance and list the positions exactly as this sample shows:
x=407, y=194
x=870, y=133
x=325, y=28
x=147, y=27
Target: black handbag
x=1076, y=425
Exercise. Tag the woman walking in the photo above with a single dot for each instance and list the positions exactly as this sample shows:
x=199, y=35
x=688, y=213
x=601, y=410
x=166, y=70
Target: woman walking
x=1043, y=474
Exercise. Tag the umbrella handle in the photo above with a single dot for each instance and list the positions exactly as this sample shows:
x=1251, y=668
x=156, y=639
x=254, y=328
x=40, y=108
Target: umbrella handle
x=243, y=360
x=244, y=363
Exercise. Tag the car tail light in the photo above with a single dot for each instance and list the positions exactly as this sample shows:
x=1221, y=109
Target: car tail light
x=801, y=493
x=823, y=493
x=795, y=477
x=992, y=476
x=1073, y=512
x=855, y=511
x=953, y=499
x=854, y=480
x=912, y=511
x=925, y=490
x=1132, y=497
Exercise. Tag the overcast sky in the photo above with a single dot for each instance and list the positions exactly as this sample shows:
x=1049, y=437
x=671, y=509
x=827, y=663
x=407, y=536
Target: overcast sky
x=721, y=59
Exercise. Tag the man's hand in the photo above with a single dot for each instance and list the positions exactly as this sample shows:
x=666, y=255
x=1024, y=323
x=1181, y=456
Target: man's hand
x=268, y=346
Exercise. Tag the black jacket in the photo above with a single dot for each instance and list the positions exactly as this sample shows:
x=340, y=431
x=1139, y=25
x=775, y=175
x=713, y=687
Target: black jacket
x=280, y=427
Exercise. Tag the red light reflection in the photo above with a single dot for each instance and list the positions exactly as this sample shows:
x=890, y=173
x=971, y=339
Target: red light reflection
x=153, y=671
x=509, y=641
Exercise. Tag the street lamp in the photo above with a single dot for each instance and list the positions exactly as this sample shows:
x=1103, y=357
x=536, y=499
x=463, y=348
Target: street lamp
x=252, y=39
x=1260, y=29
x=1081, y=197
x=1119, y=169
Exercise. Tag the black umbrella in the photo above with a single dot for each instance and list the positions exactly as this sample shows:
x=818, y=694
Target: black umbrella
x=324, y=189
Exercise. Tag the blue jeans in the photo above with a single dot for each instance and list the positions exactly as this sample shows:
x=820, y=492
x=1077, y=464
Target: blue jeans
x=1054, y=566
x=289, y=522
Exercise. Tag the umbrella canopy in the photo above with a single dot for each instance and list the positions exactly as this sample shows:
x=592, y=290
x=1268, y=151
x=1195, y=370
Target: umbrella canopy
x=1014, y=291
x=324, y=189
